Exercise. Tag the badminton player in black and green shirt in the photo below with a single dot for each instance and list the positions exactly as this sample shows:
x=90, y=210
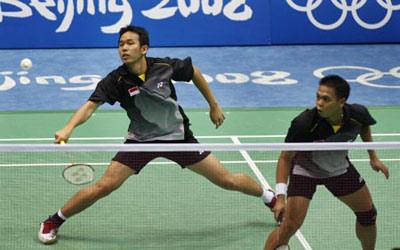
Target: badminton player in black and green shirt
x=143, y=87
x=332, y=120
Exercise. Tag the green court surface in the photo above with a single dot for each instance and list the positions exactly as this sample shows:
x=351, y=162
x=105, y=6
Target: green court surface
x=168, y=208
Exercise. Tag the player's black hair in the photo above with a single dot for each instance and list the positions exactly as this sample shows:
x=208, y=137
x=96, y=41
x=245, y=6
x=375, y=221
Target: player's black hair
x=142, y=32
x=340, y=85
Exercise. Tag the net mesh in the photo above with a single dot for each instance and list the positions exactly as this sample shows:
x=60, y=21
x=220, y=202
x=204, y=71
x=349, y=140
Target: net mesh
x=167, y=208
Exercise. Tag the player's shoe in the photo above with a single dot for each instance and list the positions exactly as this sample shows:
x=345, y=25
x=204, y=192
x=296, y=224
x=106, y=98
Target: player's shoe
x=271, y=204
x=48, y=232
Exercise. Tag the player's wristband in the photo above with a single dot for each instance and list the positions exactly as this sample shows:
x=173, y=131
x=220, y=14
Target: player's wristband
x=281, y=189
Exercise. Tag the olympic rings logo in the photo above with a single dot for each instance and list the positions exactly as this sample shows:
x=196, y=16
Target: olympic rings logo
x=367, y=77
x=342, y=5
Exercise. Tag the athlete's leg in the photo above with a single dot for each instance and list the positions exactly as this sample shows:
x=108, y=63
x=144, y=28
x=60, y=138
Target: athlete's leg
x=351, y=189
x=295, y=213
x=114, y=176
x=211, y=168
x=361, y=203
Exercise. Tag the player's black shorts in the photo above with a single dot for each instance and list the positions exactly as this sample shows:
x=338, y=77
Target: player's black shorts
x=138, y=160
x=340, y=185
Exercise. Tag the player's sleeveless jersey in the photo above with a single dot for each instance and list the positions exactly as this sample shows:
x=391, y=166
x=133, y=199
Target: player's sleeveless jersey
x=151, y=105
x=310, y=127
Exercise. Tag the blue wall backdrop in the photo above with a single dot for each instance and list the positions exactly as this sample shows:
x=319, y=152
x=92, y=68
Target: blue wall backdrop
x=95, y=23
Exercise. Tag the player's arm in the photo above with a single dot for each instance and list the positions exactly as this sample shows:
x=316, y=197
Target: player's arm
x=282, y=176
x=79, y=117
x=376, y=164
x=216, y=113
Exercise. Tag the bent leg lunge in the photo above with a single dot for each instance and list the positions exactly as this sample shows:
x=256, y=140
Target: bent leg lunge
x=112, y=179
x=361, y=204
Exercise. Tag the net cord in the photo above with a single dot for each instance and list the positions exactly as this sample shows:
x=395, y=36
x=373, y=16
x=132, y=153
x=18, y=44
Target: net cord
x=167, y=147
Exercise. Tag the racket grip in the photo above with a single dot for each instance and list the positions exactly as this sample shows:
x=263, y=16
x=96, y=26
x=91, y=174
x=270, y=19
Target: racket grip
x=280, y=218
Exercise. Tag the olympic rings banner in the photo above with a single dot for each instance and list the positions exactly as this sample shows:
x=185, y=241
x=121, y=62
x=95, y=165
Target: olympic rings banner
x=335, y=21
x=95, y=23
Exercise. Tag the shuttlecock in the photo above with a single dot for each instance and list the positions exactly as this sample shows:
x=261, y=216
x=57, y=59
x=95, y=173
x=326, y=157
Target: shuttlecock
x=26, y=64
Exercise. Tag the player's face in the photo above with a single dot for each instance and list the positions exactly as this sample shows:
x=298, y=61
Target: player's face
x=327, y=103
x=129, y=49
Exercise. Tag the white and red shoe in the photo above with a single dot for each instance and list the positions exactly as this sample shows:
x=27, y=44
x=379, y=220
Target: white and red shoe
x=48, y=232
x=271, y=204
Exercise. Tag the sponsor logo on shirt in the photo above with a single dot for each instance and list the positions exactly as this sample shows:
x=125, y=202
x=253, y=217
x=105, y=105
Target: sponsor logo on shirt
x=161, y=85
x=134, y=91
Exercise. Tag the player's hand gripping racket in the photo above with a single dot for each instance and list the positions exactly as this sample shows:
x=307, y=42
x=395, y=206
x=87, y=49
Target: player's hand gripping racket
x=279, y=220
x=78, y=173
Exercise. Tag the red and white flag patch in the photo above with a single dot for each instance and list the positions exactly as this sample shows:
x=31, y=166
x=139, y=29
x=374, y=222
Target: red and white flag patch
x=134, y=91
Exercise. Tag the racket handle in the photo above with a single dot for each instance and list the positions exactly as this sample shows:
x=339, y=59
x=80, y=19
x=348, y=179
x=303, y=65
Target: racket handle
x=280, y=218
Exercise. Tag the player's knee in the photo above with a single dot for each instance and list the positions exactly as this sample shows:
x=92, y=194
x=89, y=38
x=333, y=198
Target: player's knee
x=367, y=218
x=290, y=226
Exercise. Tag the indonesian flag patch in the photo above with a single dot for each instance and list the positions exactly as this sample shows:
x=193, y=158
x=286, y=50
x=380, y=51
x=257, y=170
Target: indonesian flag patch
x=134, y=91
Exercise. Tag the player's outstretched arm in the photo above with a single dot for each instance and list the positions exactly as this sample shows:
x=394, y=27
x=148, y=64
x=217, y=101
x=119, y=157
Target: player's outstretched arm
x=79, y=117
x=375, y=162
x=216, y=113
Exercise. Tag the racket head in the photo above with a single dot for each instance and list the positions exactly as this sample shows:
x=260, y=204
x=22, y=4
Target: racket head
x=78, y=174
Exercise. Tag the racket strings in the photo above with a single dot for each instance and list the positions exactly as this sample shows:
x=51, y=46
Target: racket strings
x=79, y=174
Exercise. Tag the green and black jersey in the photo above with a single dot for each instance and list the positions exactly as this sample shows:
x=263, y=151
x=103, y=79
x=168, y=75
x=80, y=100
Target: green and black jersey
x=309, y=126
x=151, y=104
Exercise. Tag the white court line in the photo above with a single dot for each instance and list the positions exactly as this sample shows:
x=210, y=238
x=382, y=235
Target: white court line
x=201, y=137
x=252, y=165
x=265, y=184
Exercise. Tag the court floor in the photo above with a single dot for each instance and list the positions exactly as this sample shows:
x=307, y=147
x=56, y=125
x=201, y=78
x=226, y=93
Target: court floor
x=168, y=208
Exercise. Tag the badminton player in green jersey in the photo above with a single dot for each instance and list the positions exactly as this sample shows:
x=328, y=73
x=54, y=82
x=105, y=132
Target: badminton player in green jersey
x=143, y=87
x=332, y=120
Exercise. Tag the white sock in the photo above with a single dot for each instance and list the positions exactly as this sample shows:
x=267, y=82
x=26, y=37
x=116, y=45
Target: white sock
x=61, y=215
x=267, y=196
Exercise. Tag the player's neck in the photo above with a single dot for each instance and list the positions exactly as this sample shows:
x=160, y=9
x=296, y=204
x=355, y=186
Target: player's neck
x=139, y=68
x=336, y=119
